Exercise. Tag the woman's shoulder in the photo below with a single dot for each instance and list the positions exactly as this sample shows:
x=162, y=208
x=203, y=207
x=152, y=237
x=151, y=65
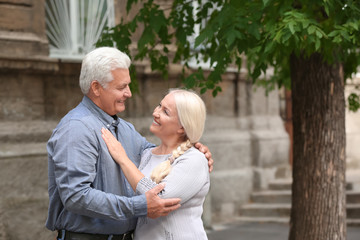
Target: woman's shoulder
x=193, y=153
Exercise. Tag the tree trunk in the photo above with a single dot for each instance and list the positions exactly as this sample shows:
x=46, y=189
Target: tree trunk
x=318, y=191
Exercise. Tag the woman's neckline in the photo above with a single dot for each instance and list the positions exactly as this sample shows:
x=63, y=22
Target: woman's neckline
x=155, y=154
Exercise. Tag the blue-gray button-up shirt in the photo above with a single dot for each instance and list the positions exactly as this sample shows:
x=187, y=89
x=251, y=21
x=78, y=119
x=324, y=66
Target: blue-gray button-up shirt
x=88, y=192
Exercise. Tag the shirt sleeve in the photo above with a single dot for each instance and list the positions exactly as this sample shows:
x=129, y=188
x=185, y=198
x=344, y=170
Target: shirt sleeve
x=75, y=155
x=188, y=175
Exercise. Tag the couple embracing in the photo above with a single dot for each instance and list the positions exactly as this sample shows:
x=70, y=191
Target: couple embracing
x=106, y=181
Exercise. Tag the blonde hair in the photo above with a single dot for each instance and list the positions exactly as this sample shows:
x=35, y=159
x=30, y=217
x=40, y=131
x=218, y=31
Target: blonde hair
x=192, y=115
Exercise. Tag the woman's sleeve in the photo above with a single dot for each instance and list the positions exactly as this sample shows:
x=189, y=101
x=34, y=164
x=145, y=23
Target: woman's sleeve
x=188, y=175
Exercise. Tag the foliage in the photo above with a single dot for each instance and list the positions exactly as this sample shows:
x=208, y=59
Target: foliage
x=264, y=32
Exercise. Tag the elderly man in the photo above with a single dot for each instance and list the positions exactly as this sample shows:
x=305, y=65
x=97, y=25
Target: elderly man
x=89, y=195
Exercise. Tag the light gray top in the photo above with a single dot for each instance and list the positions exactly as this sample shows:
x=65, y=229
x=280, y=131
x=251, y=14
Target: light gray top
x=189, y=180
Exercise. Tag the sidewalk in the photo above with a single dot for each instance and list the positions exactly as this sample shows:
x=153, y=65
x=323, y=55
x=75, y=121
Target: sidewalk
x=262, y=231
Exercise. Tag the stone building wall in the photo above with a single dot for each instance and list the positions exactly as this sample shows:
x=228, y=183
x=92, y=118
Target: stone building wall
x=243, y=130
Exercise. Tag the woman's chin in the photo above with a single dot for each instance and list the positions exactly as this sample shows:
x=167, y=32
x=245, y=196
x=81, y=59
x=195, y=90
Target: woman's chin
x=151, y=128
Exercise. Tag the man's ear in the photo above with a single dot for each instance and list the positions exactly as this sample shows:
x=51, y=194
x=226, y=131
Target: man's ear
x=95, y=87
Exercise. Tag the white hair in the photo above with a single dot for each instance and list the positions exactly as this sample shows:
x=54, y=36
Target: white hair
x=191, y=112
x=98, y=65
x=192, y=115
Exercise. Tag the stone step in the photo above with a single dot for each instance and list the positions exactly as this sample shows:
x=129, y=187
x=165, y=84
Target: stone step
x=22, y=150
x=353, y=211
x=284, y=196
x=283, y=210
x=353, y=196
x=349, y=221
x=280, y=184
x=263, y=219
x=29, y=131
x=285, y=184
x=271, y=196
x=266, y=210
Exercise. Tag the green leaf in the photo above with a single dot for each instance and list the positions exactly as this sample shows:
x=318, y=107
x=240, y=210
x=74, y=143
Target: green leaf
x=230, y=38
x=333, y=33
x=345, y=34
x=207, y=33
x=355, y=25
x=317, y=44
x=311, y=29
x=145, y=38
x=354, y=102
x=326, y=7
x=291, y=27
x=203, y=90
x=181, y=35
x=305, y=23
x=278, y=36
x=318, y=34
x=265, y=2
x=190, y=81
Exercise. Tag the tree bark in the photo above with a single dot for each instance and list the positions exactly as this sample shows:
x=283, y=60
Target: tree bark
x=318, y=190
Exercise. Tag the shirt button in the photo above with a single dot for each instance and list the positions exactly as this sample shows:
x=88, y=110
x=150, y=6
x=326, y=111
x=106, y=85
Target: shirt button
x=108, y=125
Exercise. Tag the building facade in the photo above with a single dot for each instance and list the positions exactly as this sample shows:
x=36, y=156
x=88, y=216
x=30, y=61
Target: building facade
x=39, y=85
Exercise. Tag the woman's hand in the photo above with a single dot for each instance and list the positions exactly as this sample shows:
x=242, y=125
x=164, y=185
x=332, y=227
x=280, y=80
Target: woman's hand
x=114, y=146
x=132, y=174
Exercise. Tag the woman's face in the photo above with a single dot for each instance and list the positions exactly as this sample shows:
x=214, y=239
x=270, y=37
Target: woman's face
x=166, y=121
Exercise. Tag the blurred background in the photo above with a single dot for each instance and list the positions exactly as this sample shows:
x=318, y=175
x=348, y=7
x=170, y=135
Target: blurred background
x=248, y=132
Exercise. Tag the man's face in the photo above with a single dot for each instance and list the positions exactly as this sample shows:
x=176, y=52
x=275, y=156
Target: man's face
x=112, y=98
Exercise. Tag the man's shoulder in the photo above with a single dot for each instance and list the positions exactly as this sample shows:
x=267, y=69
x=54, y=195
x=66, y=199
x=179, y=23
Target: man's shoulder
x=80, y=115
x=126, y=123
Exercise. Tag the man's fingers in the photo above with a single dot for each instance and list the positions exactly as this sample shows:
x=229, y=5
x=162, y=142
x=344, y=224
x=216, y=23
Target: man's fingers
x=170, y=205
x=172, y=202
x=211, y=168
x=211, y=164
x=158, y=188
x=172, y=208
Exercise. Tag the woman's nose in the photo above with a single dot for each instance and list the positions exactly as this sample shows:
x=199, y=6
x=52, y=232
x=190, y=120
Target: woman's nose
x=155, y=113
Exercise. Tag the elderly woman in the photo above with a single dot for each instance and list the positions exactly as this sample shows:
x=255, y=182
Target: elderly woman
x=178, y=122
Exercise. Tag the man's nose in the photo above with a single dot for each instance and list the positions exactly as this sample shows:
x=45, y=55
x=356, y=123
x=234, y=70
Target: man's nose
x=128, y=92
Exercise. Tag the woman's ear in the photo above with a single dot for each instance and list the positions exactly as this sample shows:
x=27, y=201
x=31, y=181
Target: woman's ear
x=181, y=131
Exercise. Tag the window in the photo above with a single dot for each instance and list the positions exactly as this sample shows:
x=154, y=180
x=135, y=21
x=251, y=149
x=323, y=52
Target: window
x=197, y=28
x=74, y=26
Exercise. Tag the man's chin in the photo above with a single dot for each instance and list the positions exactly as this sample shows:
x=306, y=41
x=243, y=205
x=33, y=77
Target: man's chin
x=120, y=109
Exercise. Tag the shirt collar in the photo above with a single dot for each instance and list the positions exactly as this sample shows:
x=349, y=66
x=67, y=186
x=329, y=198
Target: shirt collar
x=105, y=118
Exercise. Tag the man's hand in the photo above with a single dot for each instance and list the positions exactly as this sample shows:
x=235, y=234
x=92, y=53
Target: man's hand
x=205, y=150
x=157, y=207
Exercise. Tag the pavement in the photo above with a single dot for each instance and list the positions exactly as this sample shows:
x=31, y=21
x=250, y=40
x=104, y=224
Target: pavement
x=262, y=231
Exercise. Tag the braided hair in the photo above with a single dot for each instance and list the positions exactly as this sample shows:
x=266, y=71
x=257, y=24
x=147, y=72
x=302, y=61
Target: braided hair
x=164, y=168
x=192, y=114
